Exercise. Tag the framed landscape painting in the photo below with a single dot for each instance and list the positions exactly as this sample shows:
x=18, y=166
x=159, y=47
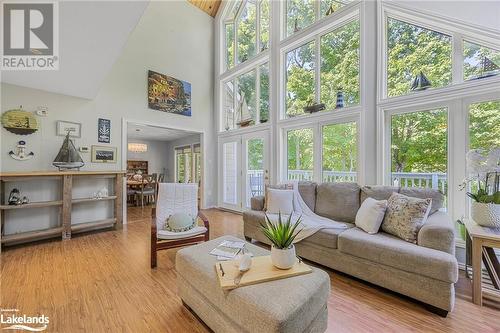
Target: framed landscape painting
x=168, y=94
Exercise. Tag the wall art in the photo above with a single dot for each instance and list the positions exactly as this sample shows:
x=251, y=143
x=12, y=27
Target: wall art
x=103, y=154
x=74, y=129
x=168, y=94
x=104, y=130
x=20, y=122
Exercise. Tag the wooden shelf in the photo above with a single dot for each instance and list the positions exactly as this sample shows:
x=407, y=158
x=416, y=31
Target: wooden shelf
x=59, y=173
x=32, y=205
x=80, y=200
x=32, y=235
x=80, y=227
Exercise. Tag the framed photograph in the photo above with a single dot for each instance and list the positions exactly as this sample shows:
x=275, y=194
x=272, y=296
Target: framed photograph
x=103, y=130
x=103, y=154
x=63, y=127
x=168, y=94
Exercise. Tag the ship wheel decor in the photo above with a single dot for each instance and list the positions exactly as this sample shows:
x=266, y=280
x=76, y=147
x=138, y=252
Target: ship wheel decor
x=19, y=122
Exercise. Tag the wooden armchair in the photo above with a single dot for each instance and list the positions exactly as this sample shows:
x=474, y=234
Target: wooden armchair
x=168, y=203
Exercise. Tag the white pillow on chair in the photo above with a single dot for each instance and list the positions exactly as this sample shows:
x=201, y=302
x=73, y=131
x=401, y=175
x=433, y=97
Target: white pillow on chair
x=370, y=215
x=279, y=201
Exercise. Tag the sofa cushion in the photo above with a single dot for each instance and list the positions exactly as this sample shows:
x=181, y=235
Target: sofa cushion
x=391, y=251
x=337, y=201
x=377, y=192
x=326, y=237
x=405, y=216
x=307, y=191
x=279, y=201
x=424, y=193
x=370, y=215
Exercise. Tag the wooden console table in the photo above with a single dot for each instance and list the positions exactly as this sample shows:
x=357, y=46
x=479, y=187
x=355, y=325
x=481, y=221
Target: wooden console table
x=65, y=227
x=483, y=240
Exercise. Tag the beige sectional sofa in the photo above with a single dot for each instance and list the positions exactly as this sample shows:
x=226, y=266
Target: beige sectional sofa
x=425, y=271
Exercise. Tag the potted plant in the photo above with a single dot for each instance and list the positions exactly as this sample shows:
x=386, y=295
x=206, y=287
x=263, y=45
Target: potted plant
x=484, y=185
x=281, y=234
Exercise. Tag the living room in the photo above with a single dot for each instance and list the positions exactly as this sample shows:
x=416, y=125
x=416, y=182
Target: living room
x=325, y=166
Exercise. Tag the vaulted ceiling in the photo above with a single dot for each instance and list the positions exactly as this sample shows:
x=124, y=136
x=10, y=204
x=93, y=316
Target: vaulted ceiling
x=208, y=6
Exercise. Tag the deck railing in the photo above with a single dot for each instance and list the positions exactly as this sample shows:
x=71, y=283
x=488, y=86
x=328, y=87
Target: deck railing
x=438, y=181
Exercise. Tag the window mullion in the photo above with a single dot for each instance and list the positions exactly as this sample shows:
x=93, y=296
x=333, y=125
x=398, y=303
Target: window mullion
x=257, y=95
x=457, y=60
x=317, y=69
x=257, y=27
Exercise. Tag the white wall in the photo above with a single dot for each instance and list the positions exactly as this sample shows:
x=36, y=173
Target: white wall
x=173, y=38
x=157, y=155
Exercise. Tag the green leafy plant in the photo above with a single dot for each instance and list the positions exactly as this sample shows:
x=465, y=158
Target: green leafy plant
x=281, y=234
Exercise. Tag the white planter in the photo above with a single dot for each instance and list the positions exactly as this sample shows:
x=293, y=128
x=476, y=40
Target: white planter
x=486, y=214
x=283, y=259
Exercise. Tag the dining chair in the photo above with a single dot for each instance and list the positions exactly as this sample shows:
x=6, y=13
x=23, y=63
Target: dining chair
x=176, y=198
x=147, y=189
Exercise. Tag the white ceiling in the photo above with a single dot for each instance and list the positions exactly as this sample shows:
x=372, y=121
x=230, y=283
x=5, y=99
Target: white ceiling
x=142, y=132
x=92, y=35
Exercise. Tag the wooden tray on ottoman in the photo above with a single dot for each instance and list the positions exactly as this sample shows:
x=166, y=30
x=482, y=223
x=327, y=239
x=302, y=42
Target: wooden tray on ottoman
x=262, y=270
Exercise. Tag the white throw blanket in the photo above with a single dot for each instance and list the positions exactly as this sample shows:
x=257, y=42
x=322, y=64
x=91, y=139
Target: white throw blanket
x=310, y=221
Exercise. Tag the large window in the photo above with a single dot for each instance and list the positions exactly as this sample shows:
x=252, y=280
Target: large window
x=419, y=142
x=484, y=125
x=246, y=99
x=188, y=164
x=417, y=58
x=339, y=152
x=246, y=30
x=300, y=14
x=300, y=144
x=339, y=71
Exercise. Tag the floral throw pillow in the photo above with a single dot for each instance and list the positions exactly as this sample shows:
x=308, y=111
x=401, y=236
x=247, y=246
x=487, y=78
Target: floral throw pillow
x=180, y=222
x=405, y=216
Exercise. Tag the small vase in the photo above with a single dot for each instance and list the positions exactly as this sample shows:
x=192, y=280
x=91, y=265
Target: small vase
x=486, y=214
x=283, y=258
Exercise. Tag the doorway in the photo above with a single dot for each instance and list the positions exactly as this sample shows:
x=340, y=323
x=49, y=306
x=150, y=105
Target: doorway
x=154, y=154
x=244, y=172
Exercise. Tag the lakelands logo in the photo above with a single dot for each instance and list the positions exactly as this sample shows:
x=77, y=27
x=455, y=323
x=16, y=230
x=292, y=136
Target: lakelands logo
x=11, y=320
x=30, y=39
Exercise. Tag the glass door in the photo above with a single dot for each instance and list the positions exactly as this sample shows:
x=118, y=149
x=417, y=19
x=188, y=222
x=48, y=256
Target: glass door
x=229, y=174
x=255, y=165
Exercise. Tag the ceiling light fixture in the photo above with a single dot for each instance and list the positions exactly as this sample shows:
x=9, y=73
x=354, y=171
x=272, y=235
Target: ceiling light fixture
x=138, y=147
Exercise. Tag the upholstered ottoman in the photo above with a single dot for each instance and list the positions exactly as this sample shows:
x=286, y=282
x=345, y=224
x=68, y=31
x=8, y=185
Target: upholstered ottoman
x=296, y=304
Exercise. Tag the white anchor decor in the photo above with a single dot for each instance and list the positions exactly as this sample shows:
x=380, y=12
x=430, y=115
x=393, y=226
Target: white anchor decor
x=20, y=153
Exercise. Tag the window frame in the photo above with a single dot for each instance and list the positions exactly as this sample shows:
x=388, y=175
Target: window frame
x=192, y=166
x=350, y=14
x=454, y=28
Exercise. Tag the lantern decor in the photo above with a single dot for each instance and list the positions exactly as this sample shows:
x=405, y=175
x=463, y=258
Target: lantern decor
x=420, y=82
x=340, y=99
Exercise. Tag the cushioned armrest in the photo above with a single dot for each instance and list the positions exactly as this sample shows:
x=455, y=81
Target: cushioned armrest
x=257, y=203
x=438, y=233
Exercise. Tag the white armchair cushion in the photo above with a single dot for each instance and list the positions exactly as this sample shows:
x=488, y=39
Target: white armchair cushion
x=165, y=234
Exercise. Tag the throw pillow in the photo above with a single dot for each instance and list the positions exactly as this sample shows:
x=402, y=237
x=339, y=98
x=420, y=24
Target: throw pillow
x=405, y=216
x=370, y=215
x=275, y=187
x=180, y=222
x=279, y=201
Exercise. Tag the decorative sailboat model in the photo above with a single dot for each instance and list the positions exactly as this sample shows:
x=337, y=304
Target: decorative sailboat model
x=421, y=82
x=488, y=68
x=68, y=158
x=244, y=116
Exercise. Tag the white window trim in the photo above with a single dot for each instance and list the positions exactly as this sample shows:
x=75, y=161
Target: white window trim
x=192, y=166
x=458, y=30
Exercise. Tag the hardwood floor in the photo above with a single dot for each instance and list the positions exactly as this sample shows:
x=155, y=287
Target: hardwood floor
x=101, y=282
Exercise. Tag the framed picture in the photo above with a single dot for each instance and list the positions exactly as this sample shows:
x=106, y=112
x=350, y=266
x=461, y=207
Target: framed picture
x=63, y=127
x=168, y=94
x=103, y=154
x=103, y=130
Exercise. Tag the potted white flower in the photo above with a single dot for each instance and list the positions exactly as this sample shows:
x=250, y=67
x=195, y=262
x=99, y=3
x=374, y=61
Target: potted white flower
x=485, y=186
x=281, y=234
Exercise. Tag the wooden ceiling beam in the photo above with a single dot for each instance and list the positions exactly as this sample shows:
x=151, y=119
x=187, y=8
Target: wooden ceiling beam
x=208, y=6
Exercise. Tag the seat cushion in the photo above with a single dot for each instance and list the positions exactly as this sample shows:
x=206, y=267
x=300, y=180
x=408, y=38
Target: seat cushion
x=165, y=234
x=337, y=201
x=394, y=252
x=326, y=237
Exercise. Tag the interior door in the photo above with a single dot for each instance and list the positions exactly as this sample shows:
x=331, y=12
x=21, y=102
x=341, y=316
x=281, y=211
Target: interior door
x=229, y=173
x=255, y=166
